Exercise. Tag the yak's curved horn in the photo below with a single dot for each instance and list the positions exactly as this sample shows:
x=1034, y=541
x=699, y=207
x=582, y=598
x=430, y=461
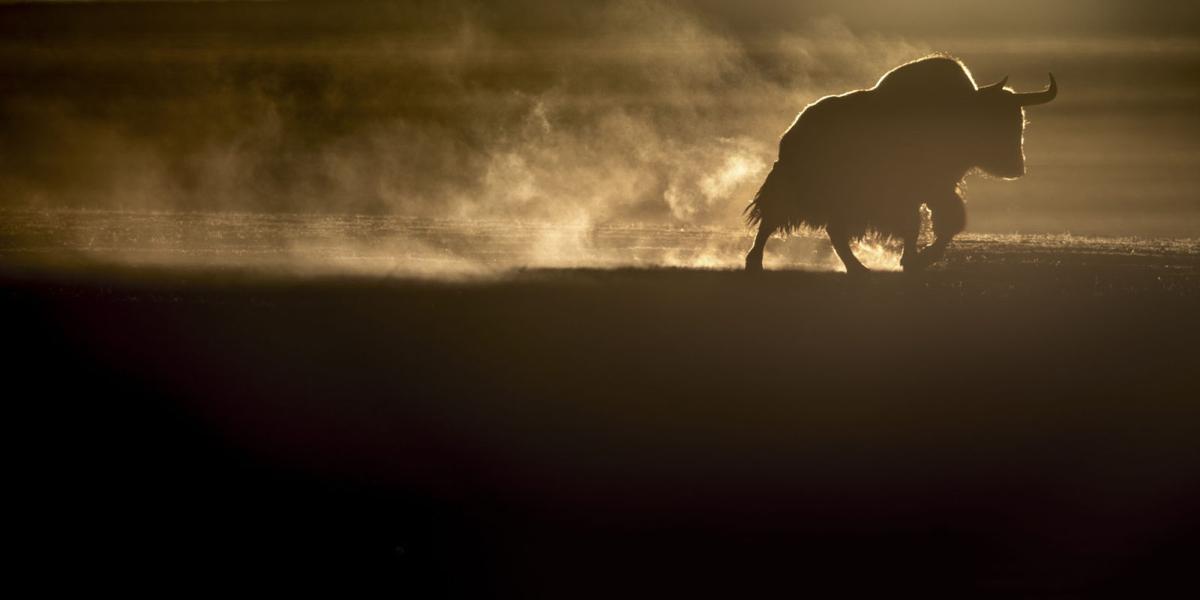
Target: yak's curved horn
x=1032, y=98
x=999, y=85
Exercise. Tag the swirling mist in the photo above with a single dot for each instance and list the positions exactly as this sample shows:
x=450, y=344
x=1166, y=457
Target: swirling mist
x=631, y=112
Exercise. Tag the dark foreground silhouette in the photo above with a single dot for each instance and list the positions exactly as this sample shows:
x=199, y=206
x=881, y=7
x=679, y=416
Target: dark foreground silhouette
x=1019, y=425
x=868, y=159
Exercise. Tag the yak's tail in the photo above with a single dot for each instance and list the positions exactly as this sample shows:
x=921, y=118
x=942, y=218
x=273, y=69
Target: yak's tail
x=784, y=202
x=769, y=196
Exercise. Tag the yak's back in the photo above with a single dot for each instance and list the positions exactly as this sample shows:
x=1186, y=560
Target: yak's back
x=868, y=126
x=826, y=127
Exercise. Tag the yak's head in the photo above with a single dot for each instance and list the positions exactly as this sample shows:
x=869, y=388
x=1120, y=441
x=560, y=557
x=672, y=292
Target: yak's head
x=997, y=127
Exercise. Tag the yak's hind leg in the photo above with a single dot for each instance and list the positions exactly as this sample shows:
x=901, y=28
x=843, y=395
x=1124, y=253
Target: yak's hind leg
x=841, y=244
x=754, y=258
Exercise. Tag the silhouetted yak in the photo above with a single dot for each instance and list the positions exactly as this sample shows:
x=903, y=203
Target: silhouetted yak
x=869, y=159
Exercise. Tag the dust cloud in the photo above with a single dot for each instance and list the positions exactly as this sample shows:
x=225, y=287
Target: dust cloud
x=624, y=114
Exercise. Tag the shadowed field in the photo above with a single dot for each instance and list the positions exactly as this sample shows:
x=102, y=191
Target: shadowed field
x=1023, y=421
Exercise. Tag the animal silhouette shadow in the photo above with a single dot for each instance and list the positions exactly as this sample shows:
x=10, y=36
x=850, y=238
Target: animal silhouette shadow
x=868, y=159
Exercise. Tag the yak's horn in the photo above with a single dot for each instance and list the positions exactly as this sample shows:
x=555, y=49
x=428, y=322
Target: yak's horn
x=995, y=86
x=1043, y=97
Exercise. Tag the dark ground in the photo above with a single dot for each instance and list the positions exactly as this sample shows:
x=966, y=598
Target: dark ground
x=1018, y=424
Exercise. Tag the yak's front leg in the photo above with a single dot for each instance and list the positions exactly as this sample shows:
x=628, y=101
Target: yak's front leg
x=841, y=245
x=949, y=219
x=910, y=231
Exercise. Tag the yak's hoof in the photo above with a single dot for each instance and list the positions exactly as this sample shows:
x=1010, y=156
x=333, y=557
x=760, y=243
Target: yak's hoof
x=754, y=266
x=858, y=271
x=913, y=264
x=922, y=260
